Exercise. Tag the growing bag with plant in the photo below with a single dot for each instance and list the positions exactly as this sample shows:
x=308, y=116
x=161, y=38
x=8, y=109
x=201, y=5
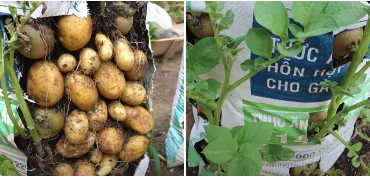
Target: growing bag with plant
x=269, y=64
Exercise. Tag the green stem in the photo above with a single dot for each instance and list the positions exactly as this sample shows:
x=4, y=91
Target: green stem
x=360, y=73
x=201, y=99
x=102, y=7
x=208, y=114
x=224, y=92
x=218, y=43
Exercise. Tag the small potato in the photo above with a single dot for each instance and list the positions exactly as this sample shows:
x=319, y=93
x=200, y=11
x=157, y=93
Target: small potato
x=82, y=91
x=89, y=61
x=105, y=47
x=124, y=24
x=48, y=122
x=317, y=116
x=63, y=169
x=134, y=149
x=200, y=26
x=305, y=170
x=67, y=63
x=110, y=80
x=76, y=127
x=134, y=93
x=110, y=140
x=69, y=150
x=117, y=111
x=45, y=83
x=139, y=68
x=123, y=54
x=107, y=164
x=95, y=156
x=138, y=119
x=98, y=116
x=74, y=32
x=84, y=168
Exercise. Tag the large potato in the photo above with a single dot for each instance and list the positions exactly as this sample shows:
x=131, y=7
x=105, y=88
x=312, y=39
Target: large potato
x=110, y=140
x=45, y=83
x=89, y=61
x=82, y=91
x=98, y=116
x=63, y=169
x=343, y=40
x=67, y=62
x=109, y=80
x=77, y=126
x=123, y=54
x=48, y=122
x=134, y=93
x=134, y=149
x=117, y=111
x=40, y=44
x=84, y=168
x=105, y=47
x=139, y=68
x=74, y=32
x=139, y=119
x=69, y=150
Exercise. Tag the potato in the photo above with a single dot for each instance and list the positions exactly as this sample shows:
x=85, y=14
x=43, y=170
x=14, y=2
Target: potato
x=117, y=111
x=134, y=93
x=82, y=91
x=343, y=40
x=138, y=71
x=98, y=116
x=48, y=122
x=63, y=169
x=95, y=156
x=124, y=24
x=69, y=150
x=45, y=83
x=138, y=119
x=40, y=44
x=105, y=47
x=76, y=127
x=110, y=80
x=107, y=164
x=89, y=61
x=84, y=168
x=134, y=149
x=319, y=116
x=305, y=170
x=123, y=54
x=74, y=32
x=200, y=26
x=110, y=140
x=67, y=62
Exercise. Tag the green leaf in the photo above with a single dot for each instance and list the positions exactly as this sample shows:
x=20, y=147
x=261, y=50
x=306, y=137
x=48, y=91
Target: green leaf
x=221, y=150
x=13, y=10
x=345, y=12
x=255, y=133
x=209, y=170
x=235, y=130
x=360, y=80
x=363, y=136
x=273, y=16
x=248, y=163
x=294, y=28
x=219, y=5
x=355, y=161
x=189, y=76
x=157, y=162
x=365, y=113
x=214, y=132
x=259, y=42
x=305, y=11
x=247, y=65
x=322, y=24
x=7, y=168
x=226, y=21
x=291, y=52
x=357, y=147
x=213, y=85
x=354, y=90
x=204, y=56
x=275, y=152
x=214, y=6
x=258, y=61
x=215, y=15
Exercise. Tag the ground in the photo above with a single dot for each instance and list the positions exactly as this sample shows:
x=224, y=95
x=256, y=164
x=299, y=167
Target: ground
x=165, y=84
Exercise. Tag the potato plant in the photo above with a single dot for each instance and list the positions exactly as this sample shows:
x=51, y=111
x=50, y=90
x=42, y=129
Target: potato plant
x=241, y=150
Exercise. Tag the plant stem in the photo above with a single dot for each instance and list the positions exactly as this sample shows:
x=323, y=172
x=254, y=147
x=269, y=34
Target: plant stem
x=360, y=73
x=218, y=43
x=201, y=99
x=102, y=7
x=224, y=92
x=208, y=114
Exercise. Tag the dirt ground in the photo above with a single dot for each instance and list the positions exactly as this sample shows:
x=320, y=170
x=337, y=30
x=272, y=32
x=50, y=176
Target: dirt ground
x=165, y=84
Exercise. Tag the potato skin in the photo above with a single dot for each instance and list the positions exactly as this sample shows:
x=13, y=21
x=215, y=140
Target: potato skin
x=134, y=93
x=317, y=116
x=105, y=47
x=123, y=55
x=89, y=61
x=74, y=32
x=45, y=83
x=124, y=24
x=69, y=150
x=117, y=111
x=110, y=80
x=204, y=30
x=95, y=156
x=342, y=40
x=76, y=127
x=82, y=91
x=107, y=164
x=67, y=63
x=110, y=140
x=98, y=116
x=139, y=119
x=63, y=169
x=84, y=168
x=41, y=42
x=134, y=149
x=48, y=122
x=139, y=68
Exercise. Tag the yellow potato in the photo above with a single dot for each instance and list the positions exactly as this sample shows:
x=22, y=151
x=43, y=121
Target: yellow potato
x=343, y=40
x=134, y=149
x=107, y=164
x=117, y=111
x=82, y=91
x=98, y=116
x=74, y=32
x=139, y=68
x=319, y=116
x=123, y=54
x=48, y=122
x=124, y=24
x=134, y=93
x=110, y=140
x=139, y=119
x=76, y=127
x=95, y=156
x=109, y=80
x=68, y=150
x=67, y=62
x=105, y=47
x=89, y=61
x=45, y=83
x=84, y=168
x=63, y=169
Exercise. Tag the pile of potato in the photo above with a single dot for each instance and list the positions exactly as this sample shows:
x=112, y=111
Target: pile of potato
x=85, y=81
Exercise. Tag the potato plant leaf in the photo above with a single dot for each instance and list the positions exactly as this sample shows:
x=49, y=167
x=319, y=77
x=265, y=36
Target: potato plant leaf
x=247, y=65
x=304, y=11
x=291, y=52
x=259, y=42
x=214, y=132
x=255, y=133
x=275, y=152
x=345, y=12
x=294, y=28
x=363, y=136
x=6, y=167
x=226, y=21
x=322, y=24
x=248, y=163
x=235, y=130
x=221, y=150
